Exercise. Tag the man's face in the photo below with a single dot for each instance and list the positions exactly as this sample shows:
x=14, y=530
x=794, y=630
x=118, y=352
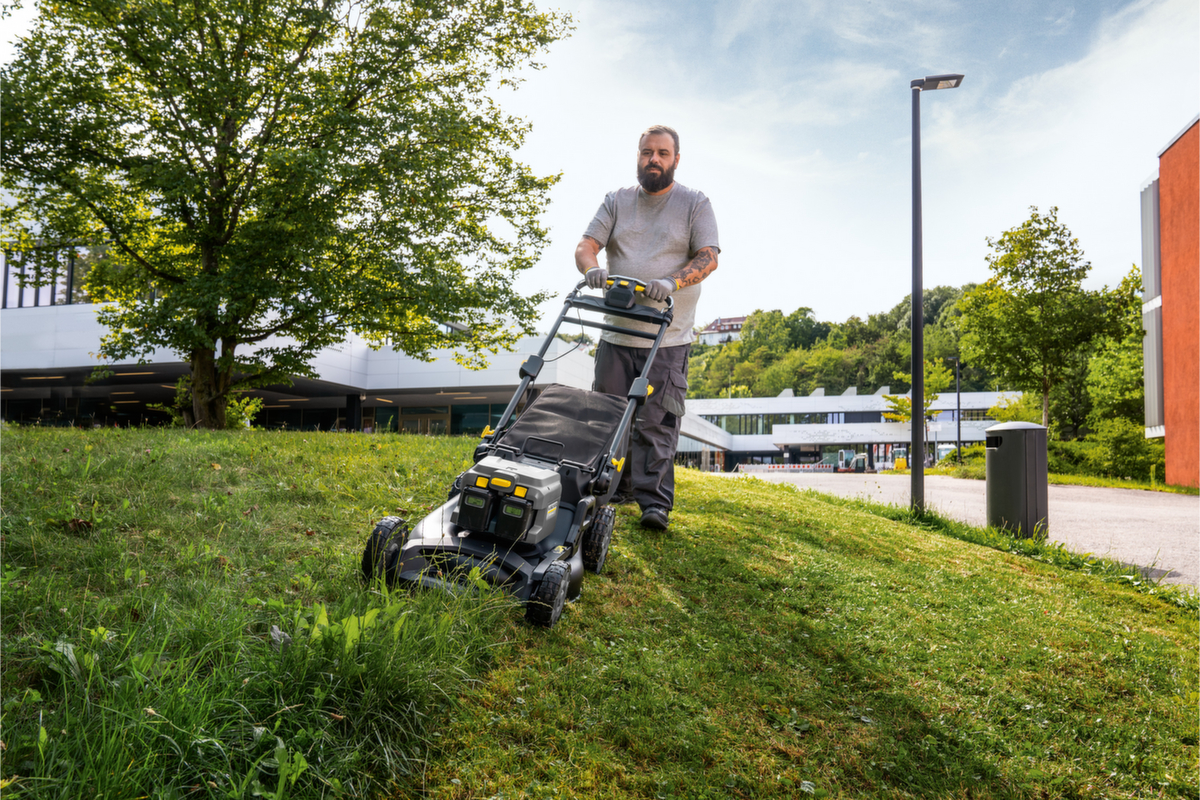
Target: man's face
x=657, y=160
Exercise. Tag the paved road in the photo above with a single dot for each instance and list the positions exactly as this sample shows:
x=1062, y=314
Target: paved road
x=1157, y=531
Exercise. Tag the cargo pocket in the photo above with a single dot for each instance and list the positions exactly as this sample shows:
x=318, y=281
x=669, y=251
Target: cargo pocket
x=675, y=394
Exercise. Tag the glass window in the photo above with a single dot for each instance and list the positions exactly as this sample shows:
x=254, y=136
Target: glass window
x=470, y=420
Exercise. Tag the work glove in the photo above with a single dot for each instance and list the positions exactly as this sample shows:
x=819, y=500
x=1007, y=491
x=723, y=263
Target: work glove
x=596, y=277
x=660, y=289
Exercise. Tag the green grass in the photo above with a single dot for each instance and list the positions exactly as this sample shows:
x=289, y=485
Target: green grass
x=771, y=644
x=143, y=575
x=978, y=472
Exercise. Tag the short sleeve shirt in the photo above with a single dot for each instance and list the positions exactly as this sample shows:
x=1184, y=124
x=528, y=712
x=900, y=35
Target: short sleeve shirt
x=647, y=237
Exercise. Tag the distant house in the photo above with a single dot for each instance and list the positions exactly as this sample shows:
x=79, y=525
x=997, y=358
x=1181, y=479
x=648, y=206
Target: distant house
x=722, y=330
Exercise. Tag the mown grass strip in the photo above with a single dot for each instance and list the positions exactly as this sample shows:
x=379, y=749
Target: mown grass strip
x=977, y=471
x=1048, y=552
x=776, y=645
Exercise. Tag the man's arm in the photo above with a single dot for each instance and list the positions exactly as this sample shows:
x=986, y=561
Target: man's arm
x=700, y=267
x=585, y=254
x=703, y=264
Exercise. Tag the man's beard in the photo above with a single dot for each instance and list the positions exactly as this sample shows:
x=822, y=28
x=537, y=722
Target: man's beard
x=655, y=181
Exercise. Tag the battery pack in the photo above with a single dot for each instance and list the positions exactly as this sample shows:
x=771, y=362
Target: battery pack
x=509, y=500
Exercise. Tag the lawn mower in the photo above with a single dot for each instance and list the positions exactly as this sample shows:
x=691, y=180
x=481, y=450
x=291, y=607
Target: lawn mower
x=532, y=513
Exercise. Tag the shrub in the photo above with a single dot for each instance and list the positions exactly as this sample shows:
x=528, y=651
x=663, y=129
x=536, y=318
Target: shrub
x=1119, y=449
x=1069, y=458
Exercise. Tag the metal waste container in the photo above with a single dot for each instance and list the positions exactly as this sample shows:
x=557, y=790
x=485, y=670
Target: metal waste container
x=1016, y=478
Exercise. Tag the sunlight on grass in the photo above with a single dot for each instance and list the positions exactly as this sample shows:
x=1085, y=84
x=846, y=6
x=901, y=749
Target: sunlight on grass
x=182, y=615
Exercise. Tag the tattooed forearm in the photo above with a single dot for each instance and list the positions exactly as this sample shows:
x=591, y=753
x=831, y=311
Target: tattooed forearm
x=700, y=267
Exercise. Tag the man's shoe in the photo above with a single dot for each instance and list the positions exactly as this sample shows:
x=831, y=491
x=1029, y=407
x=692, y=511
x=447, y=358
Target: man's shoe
x=655, y=518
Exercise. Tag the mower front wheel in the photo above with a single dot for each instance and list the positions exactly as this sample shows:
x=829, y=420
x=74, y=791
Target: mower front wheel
x=599, y=538
x=546, y=603
x=383, y=550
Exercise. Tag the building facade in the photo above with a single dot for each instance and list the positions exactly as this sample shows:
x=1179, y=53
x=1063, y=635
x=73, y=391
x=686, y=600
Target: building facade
x=1171, y=304
x=790, y=430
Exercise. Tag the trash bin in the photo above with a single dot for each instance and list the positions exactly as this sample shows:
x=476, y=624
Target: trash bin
x=1016, y=478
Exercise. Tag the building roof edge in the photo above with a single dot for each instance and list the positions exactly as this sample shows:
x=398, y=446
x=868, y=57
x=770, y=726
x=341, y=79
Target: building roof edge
x=1179, y=135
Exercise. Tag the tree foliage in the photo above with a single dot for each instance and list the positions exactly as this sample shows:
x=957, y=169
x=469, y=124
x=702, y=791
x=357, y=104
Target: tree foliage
x=1019, y=407
x=1115, y=376
x=796, y=351
x=1031, y=317
x=938, y=378
x=272, y=175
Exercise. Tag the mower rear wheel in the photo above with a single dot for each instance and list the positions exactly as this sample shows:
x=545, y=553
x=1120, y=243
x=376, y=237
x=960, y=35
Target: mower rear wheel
x=546, y=603
x=383, y=549
x=599, y=538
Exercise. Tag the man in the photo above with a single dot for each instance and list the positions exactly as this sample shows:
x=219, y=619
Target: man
x=665, y=235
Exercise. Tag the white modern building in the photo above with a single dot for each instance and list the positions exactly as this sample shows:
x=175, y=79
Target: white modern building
x=809, y=429
x=46, y=360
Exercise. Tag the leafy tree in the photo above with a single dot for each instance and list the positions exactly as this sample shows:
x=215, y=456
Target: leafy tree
x=766, y=329
x=270, y=176
x=1022, y=407
x=938, y=377
x=1028, y=319
x=1115, y=379
x=803, y=328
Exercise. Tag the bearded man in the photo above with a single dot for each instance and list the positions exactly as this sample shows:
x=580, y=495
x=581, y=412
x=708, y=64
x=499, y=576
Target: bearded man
x=665, y=235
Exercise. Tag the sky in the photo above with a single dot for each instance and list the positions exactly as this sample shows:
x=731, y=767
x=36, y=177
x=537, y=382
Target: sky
x=795, y=118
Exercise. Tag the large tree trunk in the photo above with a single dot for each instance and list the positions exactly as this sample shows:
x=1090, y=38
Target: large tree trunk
x=209, y=390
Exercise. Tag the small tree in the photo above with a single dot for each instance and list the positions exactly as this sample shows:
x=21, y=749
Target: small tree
x=1027, y=320
x=938, y=378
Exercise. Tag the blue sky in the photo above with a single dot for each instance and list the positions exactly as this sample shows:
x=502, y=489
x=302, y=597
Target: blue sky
x=795, y=119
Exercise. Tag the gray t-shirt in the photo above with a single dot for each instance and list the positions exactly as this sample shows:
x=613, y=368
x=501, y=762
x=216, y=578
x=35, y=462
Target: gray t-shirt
x=653, y=236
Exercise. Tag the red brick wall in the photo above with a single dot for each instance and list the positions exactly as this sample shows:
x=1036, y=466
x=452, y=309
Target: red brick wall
x=1179, y=236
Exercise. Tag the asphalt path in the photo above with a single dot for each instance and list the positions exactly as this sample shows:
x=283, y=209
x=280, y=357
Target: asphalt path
x=1156, y=531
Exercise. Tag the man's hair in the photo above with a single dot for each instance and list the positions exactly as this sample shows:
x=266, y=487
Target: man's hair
x=661, y=129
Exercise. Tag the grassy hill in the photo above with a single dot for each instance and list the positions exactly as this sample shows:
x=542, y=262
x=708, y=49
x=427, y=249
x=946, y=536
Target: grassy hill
x=772, y=644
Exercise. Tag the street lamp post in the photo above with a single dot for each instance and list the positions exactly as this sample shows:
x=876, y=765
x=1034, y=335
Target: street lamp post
x=917, y=456
x=957, y=409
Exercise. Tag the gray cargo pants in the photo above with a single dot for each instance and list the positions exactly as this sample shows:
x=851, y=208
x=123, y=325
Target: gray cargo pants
x=649, y=474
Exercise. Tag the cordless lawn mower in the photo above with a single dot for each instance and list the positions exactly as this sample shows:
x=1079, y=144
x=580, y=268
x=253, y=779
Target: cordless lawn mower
x=532, y=513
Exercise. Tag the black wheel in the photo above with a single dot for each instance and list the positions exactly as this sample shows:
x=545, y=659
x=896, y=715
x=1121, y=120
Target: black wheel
x=599, y=537
x=383, y=549
x=546, y=603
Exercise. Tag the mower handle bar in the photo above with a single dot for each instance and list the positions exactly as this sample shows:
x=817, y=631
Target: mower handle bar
x=638, y=286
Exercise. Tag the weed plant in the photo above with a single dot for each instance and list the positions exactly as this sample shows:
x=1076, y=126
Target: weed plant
x=183, y=615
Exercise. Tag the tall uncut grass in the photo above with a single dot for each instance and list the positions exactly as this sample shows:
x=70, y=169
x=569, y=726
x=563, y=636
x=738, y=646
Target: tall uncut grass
x=183, y=616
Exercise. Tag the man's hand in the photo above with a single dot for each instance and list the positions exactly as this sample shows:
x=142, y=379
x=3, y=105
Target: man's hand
x=660, y=289
x=596, y=277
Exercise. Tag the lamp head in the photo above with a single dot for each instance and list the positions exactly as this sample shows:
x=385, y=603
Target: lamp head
x=931, y=82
